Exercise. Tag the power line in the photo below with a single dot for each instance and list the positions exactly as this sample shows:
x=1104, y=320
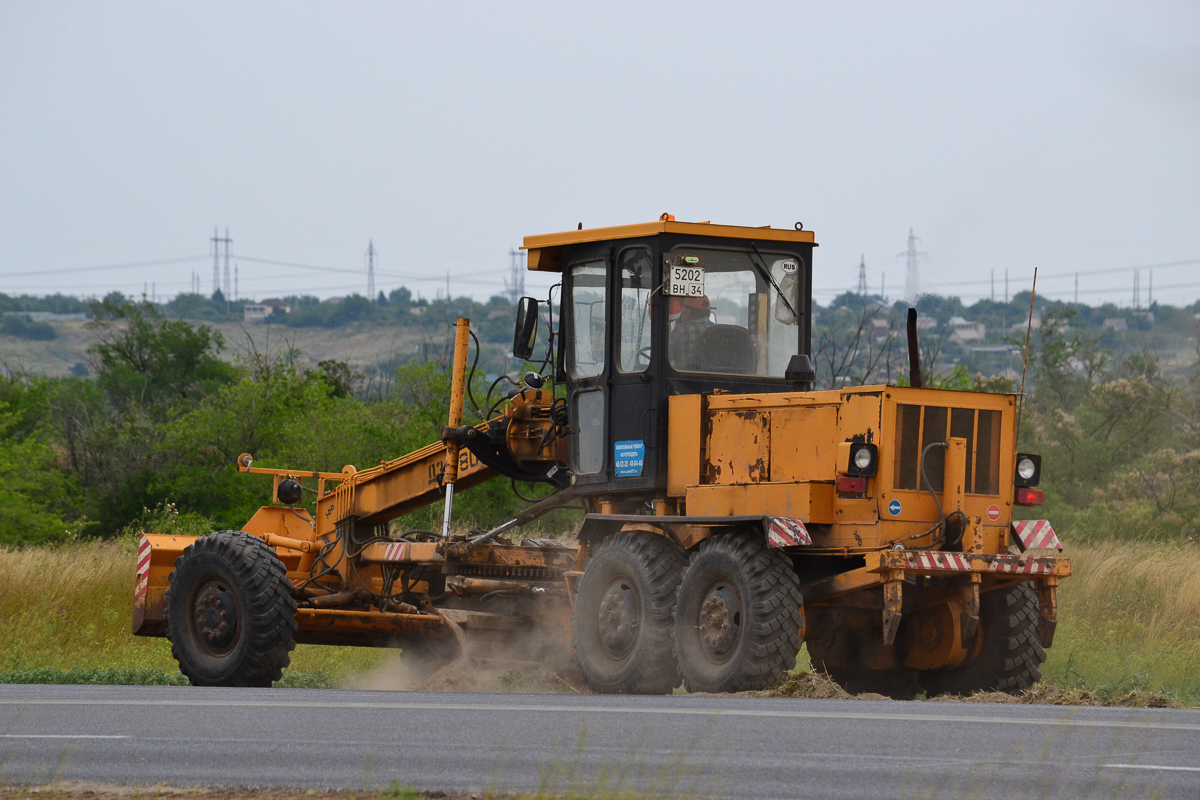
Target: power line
x=127, y=265
x=1063, y=275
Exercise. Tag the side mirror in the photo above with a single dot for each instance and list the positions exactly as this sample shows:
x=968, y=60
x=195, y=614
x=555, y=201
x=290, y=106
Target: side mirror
x=525, y=334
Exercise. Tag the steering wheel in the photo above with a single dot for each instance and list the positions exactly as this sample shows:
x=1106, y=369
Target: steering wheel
x=643, y=356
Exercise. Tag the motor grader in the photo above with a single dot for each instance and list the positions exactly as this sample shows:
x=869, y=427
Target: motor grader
x=730, y=512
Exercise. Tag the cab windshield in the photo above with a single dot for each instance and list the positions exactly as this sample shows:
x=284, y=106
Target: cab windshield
x=741, y=323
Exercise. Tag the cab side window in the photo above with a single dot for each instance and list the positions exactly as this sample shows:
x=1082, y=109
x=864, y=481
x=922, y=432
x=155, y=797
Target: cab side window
x=637, y=284
x=587, y=319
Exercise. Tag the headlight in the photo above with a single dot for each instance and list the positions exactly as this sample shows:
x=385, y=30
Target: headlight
x=857, y=458
x=1029, y=469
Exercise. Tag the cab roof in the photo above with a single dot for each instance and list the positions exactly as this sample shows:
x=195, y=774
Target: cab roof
x=545, y=249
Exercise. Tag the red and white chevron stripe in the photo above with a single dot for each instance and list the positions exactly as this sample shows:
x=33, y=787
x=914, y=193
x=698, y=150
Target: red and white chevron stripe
x=142, y=582
x=786, y=532
x=1016, y=565
x=395, y=551
x=937, y=561
x=1035, y=534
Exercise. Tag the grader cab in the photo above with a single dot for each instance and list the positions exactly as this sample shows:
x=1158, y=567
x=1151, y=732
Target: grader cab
x=731, y=512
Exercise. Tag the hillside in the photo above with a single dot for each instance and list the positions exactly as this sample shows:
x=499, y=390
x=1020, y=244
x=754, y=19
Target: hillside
x=362, y=345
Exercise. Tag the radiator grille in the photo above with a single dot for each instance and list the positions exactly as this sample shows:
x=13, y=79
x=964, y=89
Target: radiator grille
x=919, y=426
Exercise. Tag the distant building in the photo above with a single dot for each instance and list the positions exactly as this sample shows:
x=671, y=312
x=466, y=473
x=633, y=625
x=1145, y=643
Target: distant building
x=1117, y=324
x=259, y=312
x=962, y=331
x=256, y=312
x=1025, y=324
x=926, y=323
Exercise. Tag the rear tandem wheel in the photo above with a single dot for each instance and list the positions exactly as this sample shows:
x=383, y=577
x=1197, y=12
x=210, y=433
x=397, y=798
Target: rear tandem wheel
x=230, y=612
x=738, y=616
x=621, y=626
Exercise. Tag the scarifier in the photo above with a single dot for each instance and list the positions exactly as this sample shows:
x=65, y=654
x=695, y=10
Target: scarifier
x=732, y=513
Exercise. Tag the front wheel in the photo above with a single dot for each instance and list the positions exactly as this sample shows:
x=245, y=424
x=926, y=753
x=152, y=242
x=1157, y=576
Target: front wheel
x=738, y=616
x=231, y=617
x=621, y=625
x=1008, y=655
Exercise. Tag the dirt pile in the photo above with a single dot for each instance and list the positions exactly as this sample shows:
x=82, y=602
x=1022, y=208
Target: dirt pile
x=1048, y=694
x=814, y=686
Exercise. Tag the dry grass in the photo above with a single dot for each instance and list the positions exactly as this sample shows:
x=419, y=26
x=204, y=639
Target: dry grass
x=70, y=790
x=1130, y=621
x=68, y=608
x=1130, y=629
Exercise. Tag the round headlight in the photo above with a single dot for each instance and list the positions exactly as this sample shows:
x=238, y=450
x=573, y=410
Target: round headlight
x=1026, y=468
x=862, y=458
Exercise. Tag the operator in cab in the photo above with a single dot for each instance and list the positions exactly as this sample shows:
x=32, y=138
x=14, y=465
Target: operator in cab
x=695, y=317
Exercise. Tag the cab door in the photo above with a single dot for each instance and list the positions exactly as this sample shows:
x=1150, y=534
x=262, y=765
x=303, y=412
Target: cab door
x=586, y=318
x=632, y=411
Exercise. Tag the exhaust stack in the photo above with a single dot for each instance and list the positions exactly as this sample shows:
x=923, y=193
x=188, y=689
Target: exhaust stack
x=914, y=352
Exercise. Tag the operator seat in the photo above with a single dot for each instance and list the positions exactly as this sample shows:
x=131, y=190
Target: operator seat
x=727, y=348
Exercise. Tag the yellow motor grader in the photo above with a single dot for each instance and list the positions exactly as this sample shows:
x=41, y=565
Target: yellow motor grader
x=731, y=512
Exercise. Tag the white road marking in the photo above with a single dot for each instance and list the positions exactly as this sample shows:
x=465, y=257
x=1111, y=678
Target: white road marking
x=675, y=711
x=1151, y=766
x=58, y=736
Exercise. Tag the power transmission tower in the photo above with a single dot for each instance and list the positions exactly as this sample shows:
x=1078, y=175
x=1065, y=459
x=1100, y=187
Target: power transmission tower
x=371, y=270
x=515, y=286
x=217, y=241
x=235, y=281
x=912, y=277
x=216, y=247
x=227, y=242
x=862, y=276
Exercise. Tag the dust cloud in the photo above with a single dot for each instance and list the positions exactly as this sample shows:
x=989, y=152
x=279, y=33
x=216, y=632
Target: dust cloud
x=536, y=660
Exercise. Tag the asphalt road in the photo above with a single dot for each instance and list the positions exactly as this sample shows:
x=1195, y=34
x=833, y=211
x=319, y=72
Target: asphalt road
x=693, y=746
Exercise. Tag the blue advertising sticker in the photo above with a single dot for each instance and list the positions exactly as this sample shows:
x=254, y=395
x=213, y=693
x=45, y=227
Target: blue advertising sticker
x=894, y=508
x=629, y=457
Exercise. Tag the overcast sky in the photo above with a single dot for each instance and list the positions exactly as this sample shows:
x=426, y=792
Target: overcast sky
x=1007, y=136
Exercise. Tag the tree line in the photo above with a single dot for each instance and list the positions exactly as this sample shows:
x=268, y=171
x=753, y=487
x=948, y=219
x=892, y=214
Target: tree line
x=163, y=415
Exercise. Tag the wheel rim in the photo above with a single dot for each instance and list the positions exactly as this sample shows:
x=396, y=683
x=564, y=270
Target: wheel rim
x=719, y=626
x=215, y=615
x=619, y=618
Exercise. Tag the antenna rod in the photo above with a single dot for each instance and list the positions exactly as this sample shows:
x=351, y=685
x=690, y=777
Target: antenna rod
x=1025, y=363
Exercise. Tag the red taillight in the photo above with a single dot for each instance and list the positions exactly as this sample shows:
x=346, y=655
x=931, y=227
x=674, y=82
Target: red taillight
x=848, y=484
x=1029, y=497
